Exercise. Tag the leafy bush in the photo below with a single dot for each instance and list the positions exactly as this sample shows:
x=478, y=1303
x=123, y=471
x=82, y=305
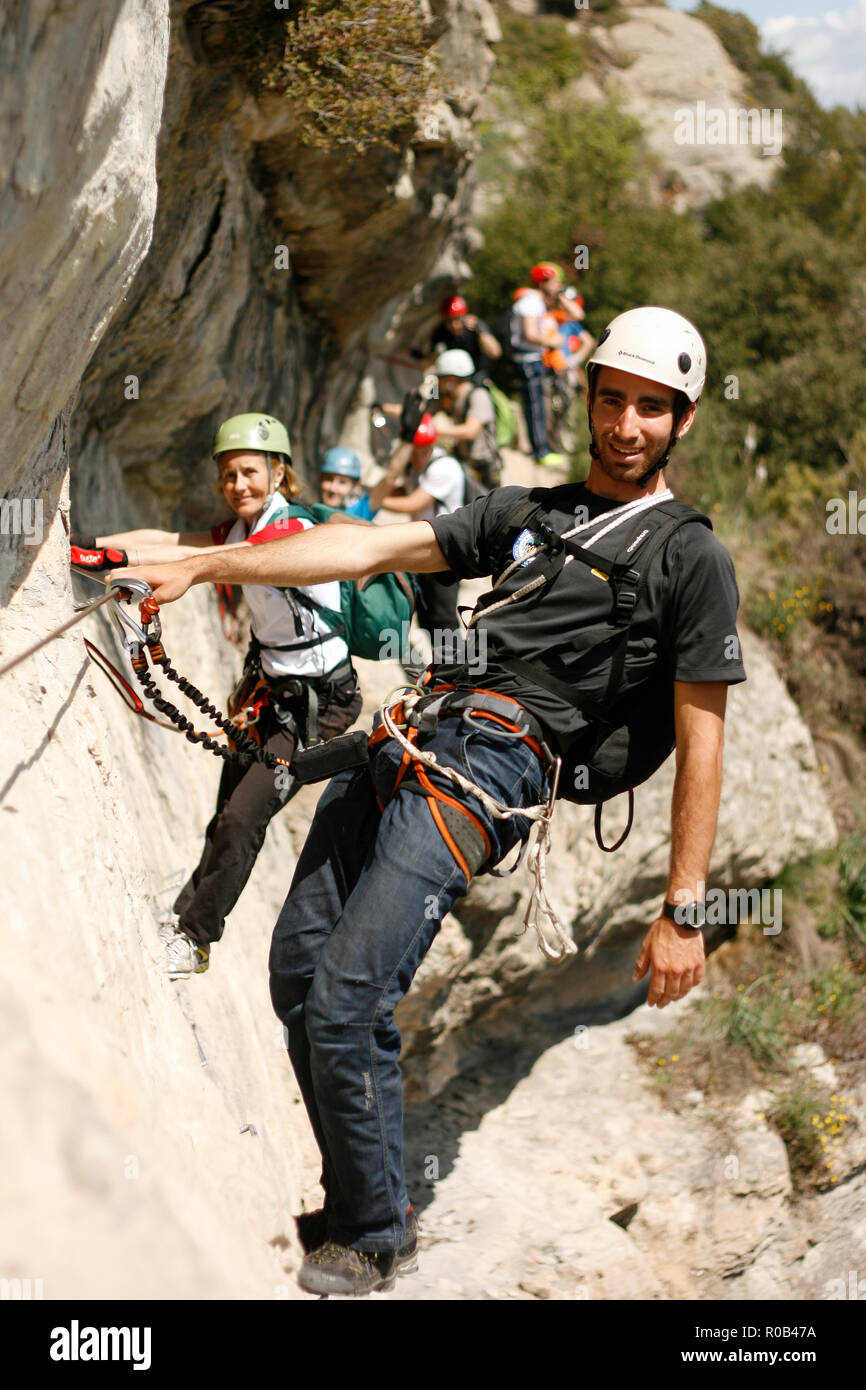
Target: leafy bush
x=537, y=56
x=358, y=72
x=769, y=77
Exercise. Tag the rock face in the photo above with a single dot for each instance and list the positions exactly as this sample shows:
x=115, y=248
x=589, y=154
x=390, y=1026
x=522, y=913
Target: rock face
x=80, y=106
x=134, y=1106
x=273, y=265
x=672, y=73
x=569, y=1179
x=150, y=1126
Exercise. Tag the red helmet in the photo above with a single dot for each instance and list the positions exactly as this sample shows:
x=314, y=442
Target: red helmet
x=453, y=307
x=544, y=271
x=426, y=432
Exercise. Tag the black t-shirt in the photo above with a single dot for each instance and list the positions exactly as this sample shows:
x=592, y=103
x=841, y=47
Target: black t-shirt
x=685, y=616
x=469, y=339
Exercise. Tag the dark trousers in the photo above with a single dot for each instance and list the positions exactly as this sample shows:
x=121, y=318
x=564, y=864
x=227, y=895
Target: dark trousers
x=368, y=895
x=247, y=800
x=531, y=378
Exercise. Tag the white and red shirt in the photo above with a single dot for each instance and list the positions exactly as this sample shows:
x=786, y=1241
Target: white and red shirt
x=275, y=617
x=529, y=306
x=445, y=481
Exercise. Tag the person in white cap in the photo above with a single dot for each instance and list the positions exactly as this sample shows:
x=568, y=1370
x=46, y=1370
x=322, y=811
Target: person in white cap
x=610, y=636
x=468, y=419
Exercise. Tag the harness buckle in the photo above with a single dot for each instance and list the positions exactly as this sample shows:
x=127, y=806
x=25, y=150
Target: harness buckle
x=626, y=597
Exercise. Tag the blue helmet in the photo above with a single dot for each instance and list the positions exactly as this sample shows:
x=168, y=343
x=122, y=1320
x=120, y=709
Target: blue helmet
x=342, y=461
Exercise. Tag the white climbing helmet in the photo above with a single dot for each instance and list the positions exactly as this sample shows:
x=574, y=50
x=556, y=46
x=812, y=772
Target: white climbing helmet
x=454, y=362
x=655, y=343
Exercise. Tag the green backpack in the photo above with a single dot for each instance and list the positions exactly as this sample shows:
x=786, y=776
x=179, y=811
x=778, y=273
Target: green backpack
x=506, y=417
x=369, y=608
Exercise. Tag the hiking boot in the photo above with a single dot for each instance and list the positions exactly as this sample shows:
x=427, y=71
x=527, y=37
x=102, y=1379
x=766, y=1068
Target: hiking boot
x=312, y=1229
x=338, y=1269
x=184, y=956
x=313, y=1233
x=407, y=1255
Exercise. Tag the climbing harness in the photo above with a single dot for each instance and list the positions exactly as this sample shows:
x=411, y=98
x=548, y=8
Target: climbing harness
x=417, y=712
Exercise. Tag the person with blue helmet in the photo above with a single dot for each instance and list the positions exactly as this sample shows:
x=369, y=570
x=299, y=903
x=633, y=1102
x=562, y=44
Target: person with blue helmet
x=340, y=483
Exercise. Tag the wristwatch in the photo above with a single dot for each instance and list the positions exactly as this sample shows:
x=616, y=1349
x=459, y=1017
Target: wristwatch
x=686, y=914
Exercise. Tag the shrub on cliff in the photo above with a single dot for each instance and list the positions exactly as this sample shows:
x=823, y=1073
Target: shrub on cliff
x=357, y=72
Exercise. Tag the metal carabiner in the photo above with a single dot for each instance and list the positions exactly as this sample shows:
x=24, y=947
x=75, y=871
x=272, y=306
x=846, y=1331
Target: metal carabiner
x=123, y=621
x=492, y=727
x=551, y=800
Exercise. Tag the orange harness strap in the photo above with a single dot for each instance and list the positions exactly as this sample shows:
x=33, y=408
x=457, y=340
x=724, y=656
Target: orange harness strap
x=436, y=799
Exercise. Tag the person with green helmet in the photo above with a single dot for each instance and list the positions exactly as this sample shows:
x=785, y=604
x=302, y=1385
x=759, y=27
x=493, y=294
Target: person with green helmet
x=299, y=669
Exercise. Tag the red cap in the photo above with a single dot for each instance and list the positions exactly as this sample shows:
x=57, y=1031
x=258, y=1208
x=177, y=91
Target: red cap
x=453, y=307
x=544, y=271
x=426, y=432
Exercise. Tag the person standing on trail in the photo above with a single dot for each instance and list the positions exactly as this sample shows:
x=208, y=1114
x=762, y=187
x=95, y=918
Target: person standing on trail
x=471, y=418
x=530, y=337
x=298, y=675
x=594, y=667
x=458, y=328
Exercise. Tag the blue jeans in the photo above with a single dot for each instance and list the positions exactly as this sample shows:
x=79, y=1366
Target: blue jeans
x=366, y=901
x=531, y=378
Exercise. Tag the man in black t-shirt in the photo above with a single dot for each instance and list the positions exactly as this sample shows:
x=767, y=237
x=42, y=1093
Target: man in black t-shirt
x=380, y=868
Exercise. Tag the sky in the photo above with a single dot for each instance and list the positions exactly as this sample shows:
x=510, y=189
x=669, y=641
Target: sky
x=826, y=46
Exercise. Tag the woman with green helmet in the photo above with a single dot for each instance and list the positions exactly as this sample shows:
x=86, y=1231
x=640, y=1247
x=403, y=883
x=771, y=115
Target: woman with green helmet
x=301, y=671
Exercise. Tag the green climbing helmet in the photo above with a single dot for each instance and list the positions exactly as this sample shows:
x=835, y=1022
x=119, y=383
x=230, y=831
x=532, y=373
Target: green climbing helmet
x=261, y=432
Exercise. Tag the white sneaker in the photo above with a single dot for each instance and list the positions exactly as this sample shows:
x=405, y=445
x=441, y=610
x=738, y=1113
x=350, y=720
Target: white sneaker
x=167, y=929
x=184, y=956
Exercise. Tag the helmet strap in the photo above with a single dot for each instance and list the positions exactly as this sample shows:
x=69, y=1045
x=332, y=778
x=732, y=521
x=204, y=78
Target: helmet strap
x=663, y=461
x=681, y=409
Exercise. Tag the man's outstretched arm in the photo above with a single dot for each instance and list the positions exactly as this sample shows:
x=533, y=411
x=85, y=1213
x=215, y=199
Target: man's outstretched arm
x=676, y=953
x=314, y=557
